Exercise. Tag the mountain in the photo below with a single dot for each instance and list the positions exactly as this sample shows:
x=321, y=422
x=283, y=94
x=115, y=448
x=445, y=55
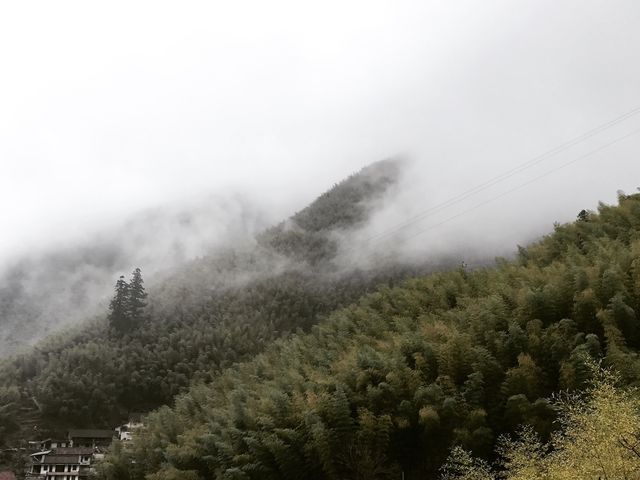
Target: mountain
x=383, y=388
x=202, y=317
x=307, y=235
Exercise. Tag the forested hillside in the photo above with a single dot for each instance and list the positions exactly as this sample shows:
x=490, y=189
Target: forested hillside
x=390, y=383
x=206, y=316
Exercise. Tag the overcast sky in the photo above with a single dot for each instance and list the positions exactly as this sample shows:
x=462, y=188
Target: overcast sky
x=110, y=107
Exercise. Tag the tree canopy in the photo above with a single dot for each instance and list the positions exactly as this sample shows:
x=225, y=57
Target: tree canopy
x=198, y=319
x=266, y=364
x=390, y=384
x=599, y=438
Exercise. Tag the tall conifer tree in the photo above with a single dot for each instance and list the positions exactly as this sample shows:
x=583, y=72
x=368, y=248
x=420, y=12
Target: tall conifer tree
x=137, y=296
x=119, y=306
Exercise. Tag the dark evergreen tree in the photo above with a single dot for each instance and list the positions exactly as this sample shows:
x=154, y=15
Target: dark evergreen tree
x=137, y=296
x=119, y=316
x=583, y=216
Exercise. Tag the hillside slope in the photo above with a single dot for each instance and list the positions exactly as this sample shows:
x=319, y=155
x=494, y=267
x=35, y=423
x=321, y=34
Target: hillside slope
x=388, y=384
x=209, y=314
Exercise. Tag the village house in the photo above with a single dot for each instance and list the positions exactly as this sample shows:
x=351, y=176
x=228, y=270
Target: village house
x=90, y=438
x=63, y=463
x=72, y=459
x=75, y=457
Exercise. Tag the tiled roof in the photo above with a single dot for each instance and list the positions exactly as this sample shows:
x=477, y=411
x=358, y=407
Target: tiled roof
x=7, y=476
x=73, y=451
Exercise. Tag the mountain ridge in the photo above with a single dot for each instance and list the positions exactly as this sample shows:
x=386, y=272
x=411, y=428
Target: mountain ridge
x=197, y=323
x=387, y=385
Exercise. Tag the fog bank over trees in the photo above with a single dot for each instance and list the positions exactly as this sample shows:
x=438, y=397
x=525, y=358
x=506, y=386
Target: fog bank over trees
x=65, y=283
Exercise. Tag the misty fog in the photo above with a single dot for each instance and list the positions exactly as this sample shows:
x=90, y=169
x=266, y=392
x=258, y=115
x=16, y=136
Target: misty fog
x=109, y=109
x=154, y=134
x=65, y=283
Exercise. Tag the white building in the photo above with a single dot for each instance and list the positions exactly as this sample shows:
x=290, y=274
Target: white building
x=126, y=431
x=64, y=463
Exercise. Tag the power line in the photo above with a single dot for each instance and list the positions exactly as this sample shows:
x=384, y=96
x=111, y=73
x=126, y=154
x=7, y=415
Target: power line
x=503, y=176
x=522, y=185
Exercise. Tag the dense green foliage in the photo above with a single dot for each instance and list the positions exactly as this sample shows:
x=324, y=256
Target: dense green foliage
x=210, y=314
x=392, y=382
x=598, y=438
